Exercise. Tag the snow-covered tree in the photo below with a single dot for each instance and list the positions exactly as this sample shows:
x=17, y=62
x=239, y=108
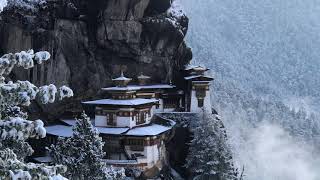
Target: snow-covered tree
x=3, y=3
x=15, y=129
x=23, y=5
x=83, y=152
x=209, y=154
x=12, y=168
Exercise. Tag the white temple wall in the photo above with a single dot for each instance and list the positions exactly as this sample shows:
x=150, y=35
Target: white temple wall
x=169, y=110
x=194, y=102
x=125, y=122
x=151, y=154
x=152, y=112
x=100, y=121
x=149, y=117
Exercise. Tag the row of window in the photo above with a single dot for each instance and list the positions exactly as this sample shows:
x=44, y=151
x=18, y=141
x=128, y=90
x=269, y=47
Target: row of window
x=120, y=113
x=129, y=96
x=142, y=142
x=141, y=118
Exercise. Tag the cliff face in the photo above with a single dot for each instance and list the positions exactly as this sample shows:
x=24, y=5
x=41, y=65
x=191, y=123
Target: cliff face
x=91, y=41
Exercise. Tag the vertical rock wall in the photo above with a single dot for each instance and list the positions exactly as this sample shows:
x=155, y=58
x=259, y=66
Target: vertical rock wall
x=91, y=41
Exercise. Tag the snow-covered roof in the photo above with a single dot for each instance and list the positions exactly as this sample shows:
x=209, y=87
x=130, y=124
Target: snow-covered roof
x=196, y=67
x=120, y=162
x=150, y=130
x=141, y=76
x=153, y=86
x=44, y=159
x=139, y=87
x=70, y=122
x=116, y=88
x=197, y=76
x=66, y=131
x=112, y=131
x=122, y=102
x=59, y=130
x=122, y=78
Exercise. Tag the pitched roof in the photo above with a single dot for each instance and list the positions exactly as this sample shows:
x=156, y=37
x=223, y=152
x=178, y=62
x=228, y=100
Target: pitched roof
x=145, y=130
x=121, y=88
x=122, y=102
x=150, y=130
x=44, y=159
x=141, y=76
x=153, y=86
x=139, y=87
x=198, y=76
x=59, y=130
x=196, y=67
x=112, y=131
x=66, y=131
x=122, y=78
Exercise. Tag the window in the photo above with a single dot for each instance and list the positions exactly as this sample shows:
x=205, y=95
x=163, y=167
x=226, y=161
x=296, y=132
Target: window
x=201, y=94
x=136, y=148
x=99, y=111
x=141, y=118
x=135, y=144
x=111, y=119
x=200, y=102
x=170, y=103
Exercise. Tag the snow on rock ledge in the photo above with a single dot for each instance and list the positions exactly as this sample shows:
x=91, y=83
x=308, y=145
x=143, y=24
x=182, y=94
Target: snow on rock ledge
x=176, y=17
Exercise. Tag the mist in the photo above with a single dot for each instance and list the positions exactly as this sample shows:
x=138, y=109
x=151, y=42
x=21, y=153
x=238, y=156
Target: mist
x=270, y=153
x=264, y=56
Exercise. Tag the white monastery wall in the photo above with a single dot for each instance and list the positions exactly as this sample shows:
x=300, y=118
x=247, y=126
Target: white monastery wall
x=151, y=154
x=100, y=121
x=194, y=102
x=125, y=122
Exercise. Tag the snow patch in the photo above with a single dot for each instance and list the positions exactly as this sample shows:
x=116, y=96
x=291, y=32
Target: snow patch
x=174, y=16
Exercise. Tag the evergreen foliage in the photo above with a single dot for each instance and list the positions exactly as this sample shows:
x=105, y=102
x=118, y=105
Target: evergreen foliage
x=209, y=154
x=15, y=129
x=83, y=152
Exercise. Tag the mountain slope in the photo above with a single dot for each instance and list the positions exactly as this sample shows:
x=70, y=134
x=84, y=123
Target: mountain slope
x=264, y=56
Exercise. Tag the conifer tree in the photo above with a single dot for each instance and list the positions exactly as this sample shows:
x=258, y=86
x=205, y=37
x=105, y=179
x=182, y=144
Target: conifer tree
x=209, y=154
x=83, y=152
x=15, y=129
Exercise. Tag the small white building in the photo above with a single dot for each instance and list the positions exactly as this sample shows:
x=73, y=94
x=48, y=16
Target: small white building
x=197, y=95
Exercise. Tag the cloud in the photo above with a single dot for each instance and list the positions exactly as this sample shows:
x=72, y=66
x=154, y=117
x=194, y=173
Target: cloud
x=270, y=153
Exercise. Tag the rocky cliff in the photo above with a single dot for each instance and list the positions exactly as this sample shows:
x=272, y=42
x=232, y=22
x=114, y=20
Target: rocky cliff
x=91, y=41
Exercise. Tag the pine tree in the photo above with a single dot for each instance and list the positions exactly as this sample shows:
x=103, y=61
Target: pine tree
x=209, y=154
x=83, y=152
x=15, y=129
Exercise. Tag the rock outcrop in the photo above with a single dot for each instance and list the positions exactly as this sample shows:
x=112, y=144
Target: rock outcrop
x=91, y=41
